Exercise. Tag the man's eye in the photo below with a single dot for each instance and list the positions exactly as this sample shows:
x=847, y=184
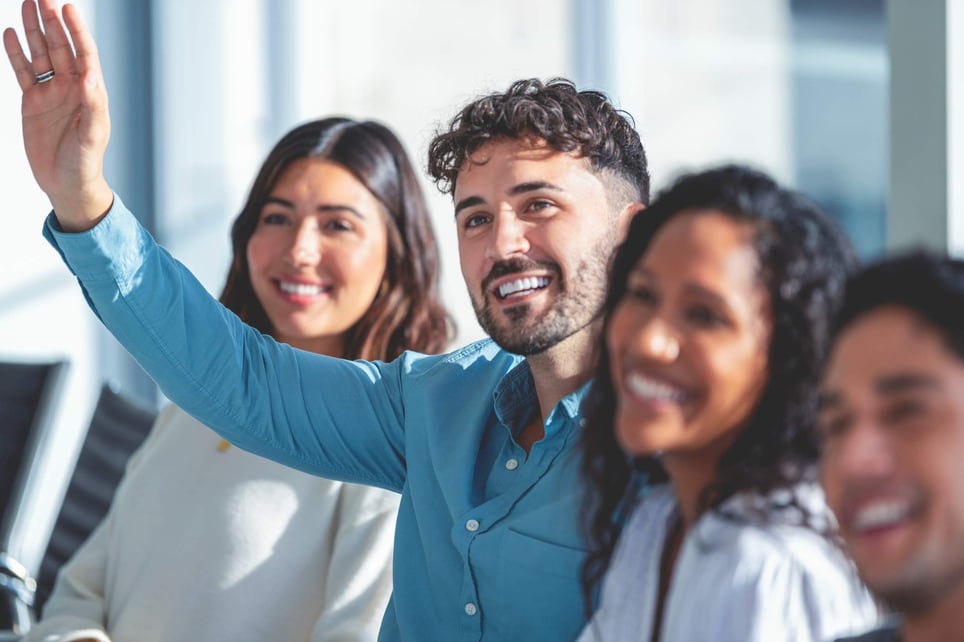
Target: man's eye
x=829, y=428
x=538, y=206
x=474, y=220
x=905, y=410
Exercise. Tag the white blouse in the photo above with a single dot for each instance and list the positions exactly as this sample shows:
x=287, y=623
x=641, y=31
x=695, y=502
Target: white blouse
x=734, y=581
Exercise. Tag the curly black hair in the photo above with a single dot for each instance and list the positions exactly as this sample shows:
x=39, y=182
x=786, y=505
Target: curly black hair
x=568, y=120
x=929, y=284
x=803, y=260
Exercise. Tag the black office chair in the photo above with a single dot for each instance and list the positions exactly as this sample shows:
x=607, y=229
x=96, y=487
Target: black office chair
x=119, y=426
x=29, y=394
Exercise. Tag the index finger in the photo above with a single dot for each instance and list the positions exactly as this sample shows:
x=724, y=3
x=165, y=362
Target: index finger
x=84, y=45
x=19, y=62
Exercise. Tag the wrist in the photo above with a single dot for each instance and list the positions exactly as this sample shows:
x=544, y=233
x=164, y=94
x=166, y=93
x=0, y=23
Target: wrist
x=82, y=209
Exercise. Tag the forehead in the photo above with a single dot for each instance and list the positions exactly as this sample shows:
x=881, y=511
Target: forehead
x=886, y=342
x=324, y=182
x=706, y=246
x=503, y=163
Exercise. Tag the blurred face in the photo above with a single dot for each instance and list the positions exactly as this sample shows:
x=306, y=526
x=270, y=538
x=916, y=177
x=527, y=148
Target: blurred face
x=318, y=254
x=688, y=342
x=536, y=232
x=892, y=426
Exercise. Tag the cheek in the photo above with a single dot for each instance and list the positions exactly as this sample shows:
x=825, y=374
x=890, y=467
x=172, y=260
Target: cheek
x=737, y=377
x=259, y=252
x=361, y=266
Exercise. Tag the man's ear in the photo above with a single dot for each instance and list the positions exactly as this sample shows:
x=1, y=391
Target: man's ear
x=626, y=216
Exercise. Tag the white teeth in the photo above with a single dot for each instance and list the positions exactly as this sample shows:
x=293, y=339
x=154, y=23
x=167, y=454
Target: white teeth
x=525, y=286
x=651, y=389
x=300, y=289
x=880, y=515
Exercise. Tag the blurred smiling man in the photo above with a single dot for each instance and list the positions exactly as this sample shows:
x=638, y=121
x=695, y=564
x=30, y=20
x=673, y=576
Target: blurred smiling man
x=892, y=423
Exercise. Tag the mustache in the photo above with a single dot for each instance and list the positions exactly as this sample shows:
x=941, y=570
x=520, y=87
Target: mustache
x=518, y=265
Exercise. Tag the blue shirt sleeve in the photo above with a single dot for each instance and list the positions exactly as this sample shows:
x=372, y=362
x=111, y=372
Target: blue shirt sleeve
x=330, y=417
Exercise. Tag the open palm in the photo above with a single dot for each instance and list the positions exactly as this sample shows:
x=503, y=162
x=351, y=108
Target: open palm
x=66, y=124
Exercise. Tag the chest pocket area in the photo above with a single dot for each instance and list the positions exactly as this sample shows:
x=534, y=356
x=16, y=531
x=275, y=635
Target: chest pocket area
x=545, y=598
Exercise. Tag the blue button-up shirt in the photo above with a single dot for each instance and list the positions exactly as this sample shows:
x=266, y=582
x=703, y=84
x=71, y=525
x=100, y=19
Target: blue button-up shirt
x=487, y=545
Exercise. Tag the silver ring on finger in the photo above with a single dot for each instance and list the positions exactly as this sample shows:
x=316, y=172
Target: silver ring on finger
x=44, y=76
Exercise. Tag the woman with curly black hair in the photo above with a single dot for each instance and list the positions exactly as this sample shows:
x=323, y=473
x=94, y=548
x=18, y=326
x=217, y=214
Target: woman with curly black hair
x=699, y=453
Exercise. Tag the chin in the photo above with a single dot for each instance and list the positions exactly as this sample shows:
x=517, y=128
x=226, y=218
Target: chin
x=636, y=445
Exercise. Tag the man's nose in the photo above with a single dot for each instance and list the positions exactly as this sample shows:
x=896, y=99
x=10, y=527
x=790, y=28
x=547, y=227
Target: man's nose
x=865, y=451
x=508, y=237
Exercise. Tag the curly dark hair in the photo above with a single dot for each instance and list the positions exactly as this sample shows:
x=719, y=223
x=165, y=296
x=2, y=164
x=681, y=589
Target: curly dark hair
x=929, y=284
x=803, y=261
x=568, y=120
x=406, y=313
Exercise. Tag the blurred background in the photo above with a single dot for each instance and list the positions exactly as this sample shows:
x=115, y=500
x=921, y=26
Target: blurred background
x=847, y=100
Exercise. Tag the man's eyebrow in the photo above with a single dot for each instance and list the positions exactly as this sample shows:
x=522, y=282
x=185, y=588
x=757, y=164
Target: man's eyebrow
x=470, y=201
x=333, y=207
x=532, y=186
x=515, y=190
x=903, y=382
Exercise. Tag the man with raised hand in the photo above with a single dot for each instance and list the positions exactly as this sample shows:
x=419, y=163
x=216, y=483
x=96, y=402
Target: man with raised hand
x=892, y=427
x=479, y=442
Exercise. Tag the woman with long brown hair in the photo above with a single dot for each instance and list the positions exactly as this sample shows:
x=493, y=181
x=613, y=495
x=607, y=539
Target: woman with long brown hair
x=333, y=252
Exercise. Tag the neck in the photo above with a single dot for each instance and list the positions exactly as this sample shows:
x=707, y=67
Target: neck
x=942, y=623
x=563, y=368
x=690, y=477
x=332, y=346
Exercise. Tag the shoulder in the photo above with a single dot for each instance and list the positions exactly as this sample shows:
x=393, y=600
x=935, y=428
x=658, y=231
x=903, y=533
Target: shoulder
x=785, y=576
x=641, y=537
x=483, y=355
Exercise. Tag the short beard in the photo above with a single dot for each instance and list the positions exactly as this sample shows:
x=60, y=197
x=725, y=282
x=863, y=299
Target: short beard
x=920, y=596
x=576, y=306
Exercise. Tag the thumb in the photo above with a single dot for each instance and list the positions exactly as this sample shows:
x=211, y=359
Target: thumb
x=94, y=115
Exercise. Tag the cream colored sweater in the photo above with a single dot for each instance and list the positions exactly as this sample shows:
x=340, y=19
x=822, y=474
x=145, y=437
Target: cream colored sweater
x=203, y=545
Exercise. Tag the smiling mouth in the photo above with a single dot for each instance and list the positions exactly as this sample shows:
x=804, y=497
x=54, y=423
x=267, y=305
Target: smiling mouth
x=881, y=515
x=302, y=289
x=652, y=390
x=523, y=287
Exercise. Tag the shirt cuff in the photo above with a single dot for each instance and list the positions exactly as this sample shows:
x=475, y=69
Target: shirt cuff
x=112, y=250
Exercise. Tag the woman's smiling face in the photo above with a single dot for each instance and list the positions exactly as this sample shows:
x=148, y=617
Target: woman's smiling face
x=318, y=254
x=689, y=340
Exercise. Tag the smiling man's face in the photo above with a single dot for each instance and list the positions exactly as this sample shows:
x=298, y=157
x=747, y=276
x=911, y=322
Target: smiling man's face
x=536, y=232
x=892, y=426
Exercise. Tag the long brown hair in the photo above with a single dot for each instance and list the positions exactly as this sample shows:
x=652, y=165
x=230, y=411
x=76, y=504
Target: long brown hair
x=406, y=314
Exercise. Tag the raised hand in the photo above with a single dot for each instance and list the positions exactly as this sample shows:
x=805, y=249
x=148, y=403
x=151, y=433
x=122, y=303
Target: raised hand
x=66, y=123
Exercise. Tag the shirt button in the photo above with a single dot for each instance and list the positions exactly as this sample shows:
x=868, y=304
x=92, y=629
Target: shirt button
x=472, y=525
x=582, y=422
x=511, y=464
x=470, y=609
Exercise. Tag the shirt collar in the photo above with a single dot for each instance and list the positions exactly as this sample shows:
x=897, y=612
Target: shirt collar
x=515, y=396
